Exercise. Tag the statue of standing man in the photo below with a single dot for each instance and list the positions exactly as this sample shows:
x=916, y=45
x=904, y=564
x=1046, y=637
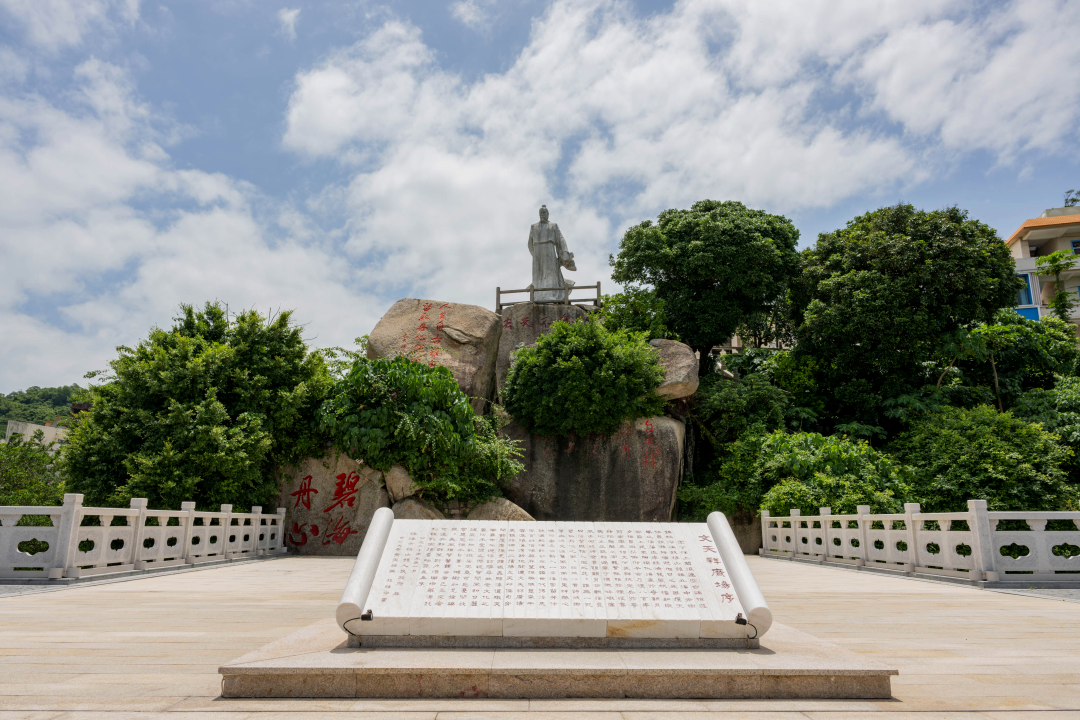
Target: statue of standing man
x=549, y=256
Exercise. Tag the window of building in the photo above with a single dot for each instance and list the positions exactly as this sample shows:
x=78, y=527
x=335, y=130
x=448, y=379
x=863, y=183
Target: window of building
x=1076, y=247
x=1024, y=296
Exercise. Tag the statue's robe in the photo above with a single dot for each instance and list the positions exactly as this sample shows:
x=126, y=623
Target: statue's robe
x=549, y=252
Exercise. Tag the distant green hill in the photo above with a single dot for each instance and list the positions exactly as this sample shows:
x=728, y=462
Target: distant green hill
x=36, y=404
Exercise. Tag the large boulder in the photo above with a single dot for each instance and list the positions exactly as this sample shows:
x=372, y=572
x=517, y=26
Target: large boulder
x=463, y=338
x=498, y=509
x=630, y=476
x=680, y=369
x=523, y=322
x=413, y=509
x=399, y=484
x=329, y=503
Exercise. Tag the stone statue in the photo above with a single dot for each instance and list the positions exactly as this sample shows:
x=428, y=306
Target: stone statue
x=549, y=256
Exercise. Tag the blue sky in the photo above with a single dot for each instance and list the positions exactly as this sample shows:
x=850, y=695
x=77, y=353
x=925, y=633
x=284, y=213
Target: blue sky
x=334, y=156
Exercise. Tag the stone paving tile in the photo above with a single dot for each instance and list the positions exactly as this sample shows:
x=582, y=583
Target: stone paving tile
x=149, y=648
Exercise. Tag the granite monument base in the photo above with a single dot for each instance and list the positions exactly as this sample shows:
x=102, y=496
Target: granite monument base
x=317, y=662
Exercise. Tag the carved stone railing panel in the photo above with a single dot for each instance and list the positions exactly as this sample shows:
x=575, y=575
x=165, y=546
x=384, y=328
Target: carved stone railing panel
x=84, y=541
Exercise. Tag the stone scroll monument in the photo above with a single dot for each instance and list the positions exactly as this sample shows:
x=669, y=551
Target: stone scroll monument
x=549, y=257
x=437, y=583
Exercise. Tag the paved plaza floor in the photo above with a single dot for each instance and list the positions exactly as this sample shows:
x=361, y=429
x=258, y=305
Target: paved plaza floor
x=150, y=648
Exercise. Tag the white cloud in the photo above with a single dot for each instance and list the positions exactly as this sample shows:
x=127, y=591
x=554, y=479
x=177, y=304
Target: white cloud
x=471, y=14
x=288, y=18
x=609, y=117
x=57, y=24
x=76, y=239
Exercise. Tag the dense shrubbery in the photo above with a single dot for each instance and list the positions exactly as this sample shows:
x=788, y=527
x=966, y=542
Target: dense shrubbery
x=961, y=454
x=204, y=411
x=400, y=412
x=779, y=471
x=582, y=379
x=636, y=310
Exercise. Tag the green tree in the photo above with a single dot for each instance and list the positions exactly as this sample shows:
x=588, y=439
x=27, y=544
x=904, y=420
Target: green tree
x=636, y=310
x=1014, y=354
x=961, y=454
x=29, y=472
x=206, y=411
x=890, y=291
x=1063, y=301
x=581, y=379
x=37, y=405
x=728, y=409
x=1057, y=409
x=714, y=266
x=1072, y=198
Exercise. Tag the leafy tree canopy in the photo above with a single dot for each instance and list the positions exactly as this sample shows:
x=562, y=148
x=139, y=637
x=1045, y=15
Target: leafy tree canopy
x=893, y=289
x=582, y=378
x=728, y=409
x=714, y=266
x=962, y=454
x=637, y=310
x=204, y=411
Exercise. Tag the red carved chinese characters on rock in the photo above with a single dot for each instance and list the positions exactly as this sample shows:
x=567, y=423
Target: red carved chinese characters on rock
x=344, y=491
x=303, y=495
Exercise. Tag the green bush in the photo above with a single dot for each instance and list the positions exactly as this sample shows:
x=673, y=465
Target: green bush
x=779, y=471
x=960, y=454
x=582, y=379
x=400, y=412
x=810, y=471
x=205, y=411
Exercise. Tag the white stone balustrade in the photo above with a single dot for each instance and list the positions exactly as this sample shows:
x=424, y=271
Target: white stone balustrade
x=906, y=542
x=144, y=540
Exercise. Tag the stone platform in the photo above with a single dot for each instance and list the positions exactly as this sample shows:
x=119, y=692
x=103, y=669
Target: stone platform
x=316, y=662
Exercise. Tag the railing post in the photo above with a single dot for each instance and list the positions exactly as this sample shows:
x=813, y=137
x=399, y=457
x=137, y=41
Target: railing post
x=598, y=293
x=765, y=530
x=826, y=525
x=982, y=551
x=189, y=523
x=910, y=510
x=863, y=511
x=281, y=529
x=532, y=296
x=256, y=528
x=795, y=516
x=67, y=537
x=227, y=525
x=140, y=528
x=498, y=301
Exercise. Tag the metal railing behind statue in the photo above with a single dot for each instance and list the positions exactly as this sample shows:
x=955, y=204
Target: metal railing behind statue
x=965, y=545
x=145, y=539
x=594, y=301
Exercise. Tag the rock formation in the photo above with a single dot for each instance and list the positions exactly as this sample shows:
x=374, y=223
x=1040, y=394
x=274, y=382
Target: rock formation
x=463, y=338
x=680, y=369
x=329, y=503
x=630, y=476
x=498, y=509
x=412, y=509
x=523, y=322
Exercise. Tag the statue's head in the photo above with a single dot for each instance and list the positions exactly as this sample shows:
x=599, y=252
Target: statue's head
x=543, y=213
